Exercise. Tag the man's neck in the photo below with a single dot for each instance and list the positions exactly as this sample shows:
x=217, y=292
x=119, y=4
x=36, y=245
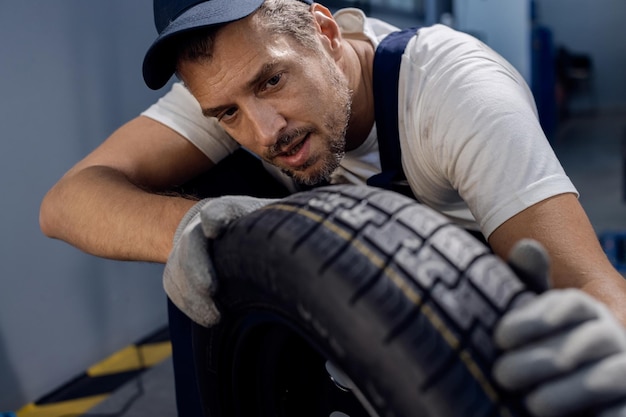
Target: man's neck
x=360, y=64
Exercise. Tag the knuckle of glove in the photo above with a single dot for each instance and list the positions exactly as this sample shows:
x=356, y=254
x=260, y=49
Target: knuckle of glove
x=563, y=352
x=220, y=212
x=599, y=386
x=544, y=315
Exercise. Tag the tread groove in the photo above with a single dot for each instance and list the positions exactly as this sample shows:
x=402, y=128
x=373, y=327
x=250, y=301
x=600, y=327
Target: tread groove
x=365, y=269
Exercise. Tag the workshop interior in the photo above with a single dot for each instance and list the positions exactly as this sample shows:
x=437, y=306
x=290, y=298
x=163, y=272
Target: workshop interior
x=84, y=336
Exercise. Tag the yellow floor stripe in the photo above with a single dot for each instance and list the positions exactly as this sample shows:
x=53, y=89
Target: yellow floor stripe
x=132, y=358
x=155, y=353
x=73, y=407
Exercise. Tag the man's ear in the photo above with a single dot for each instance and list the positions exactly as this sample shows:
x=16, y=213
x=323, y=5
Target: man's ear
x=327, y=28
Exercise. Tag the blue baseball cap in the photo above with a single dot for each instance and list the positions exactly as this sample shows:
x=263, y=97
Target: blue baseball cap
x=173, y=17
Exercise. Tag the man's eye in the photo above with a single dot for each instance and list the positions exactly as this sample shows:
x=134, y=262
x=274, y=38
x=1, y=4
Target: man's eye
x=227, y=114
x=274, y=80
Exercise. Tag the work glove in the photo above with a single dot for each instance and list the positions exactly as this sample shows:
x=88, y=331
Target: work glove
x=566, y=352
x=531, y=263
x=189, y=277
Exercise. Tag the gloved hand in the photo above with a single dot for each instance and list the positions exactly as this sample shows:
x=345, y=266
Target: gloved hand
x=189, y=277
x=567, y=352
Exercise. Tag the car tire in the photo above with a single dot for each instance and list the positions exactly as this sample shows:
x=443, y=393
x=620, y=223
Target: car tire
x=354, y=301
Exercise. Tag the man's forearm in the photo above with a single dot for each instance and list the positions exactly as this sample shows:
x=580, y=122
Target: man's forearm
x=577, y=259
x=101, y=212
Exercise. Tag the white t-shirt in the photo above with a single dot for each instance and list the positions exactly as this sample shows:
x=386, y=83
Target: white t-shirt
x=472, y=146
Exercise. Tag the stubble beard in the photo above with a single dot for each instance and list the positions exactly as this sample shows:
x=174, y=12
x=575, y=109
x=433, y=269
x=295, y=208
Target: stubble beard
x=336, y=124
x=329, y=159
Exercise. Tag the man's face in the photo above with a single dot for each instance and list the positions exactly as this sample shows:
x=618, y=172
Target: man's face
x=278, y=99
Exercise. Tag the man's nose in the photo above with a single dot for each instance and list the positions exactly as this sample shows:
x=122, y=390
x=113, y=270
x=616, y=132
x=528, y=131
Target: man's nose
x=266, y=123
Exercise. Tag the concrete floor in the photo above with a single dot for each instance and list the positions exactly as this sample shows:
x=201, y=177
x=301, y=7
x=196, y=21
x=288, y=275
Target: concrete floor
x=150, y=395
x=590, y=149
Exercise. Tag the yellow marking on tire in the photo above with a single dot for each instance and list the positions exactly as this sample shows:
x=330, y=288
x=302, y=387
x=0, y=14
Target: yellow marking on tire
x=413, y=296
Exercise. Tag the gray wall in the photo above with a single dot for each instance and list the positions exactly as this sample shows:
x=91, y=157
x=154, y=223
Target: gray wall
x=70, y=73
x=502, y=24
x=597, y=28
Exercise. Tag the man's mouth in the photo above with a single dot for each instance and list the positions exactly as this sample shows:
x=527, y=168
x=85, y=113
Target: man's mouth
x=295, y=148
x=297, y=155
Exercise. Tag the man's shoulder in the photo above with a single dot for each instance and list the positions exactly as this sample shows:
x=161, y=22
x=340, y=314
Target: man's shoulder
x=354, y=22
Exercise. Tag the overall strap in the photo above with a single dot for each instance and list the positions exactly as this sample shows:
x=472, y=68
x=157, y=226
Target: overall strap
x=387, y=59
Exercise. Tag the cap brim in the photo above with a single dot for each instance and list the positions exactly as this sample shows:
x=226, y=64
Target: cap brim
x=159, y=63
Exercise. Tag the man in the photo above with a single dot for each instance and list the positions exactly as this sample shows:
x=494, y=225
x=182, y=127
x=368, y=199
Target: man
x=292, y=83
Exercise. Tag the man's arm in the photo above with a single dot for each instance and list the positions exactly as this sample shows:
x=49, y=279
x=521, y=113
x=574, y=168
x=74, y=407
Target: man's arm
x=561, y=225
x=110, y=205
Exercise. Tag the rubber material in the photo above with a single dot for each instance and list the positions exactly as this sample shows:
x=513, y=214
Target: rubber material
x=401, y=300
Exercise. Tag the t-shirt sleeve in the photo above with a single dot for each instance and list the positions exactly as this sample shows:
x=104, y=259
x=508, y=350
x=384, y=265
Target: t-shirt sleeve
x=478, y=131
x=180, y=111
